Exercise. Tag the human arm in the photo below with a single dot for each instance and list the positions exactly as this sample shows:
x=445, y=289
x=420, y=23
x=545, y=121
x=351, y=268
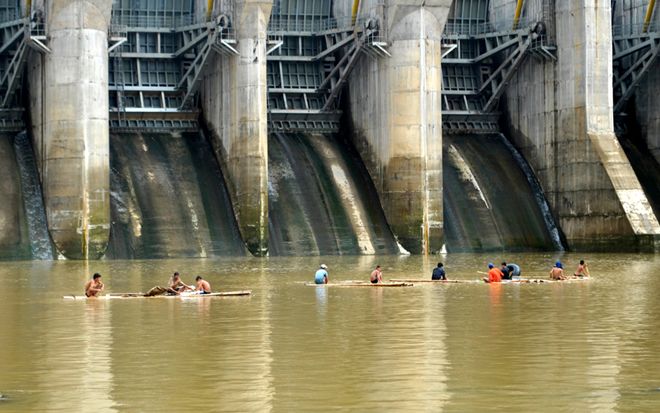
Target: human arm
x=93, y=288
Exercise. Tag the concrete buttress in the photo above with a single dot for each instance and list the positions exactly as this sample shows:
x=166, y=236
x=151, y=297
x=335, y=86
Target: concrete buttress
x=396, y=111
x=234, y=97
x=561, y=118
x=69, y=106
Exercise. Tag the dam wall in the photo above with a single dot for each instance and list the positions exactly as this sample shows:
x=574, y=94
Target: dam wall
x=233, y=100
x=68, y=104
x=394, y=108
x=14, y=242
x=169, y=199
x=322, y=200
x=560, y=117
x=489, y=202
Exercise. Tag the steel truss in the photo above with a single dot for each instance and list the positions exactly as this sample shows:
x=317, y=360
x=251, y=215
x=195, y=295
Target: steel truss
x=308, y=67
x=634, y=52
x=477, y=66
x=156, y=72
x=17, y=37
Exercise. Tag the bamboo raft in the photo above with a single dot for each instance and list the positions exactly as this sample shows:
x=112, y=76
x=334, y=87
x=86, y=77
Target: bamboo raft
x=540, y=281
x=356, y=283
x=427, y=281
x=113, y=296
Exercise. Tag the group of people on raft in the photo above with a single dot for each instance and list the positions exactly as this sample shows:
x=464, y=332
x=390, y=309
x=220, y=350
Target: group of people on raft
x=512, y=271
x=175, y=286
x=506, y=271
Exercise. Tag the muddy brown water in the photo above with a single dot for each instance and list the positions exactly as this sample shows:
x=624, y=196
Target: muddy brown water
x=580, y=347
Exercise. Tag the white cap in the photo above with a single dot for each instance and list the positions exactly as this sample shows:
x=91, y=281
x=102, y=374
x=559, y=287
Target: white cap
x=325, y=267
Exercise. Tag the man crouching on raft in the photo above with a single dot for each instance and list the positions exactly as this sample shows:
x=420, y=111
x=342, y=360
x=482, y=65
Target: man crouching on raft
x=94, y=286
x=494, y=274
x=321, y=276
x=203, y=286
x=376, y=275
x=557, y=272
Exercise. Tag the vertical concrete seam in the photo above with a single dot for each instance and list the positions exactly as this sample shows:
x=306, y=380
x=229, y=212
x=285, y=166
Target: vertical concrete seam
x=423, y=133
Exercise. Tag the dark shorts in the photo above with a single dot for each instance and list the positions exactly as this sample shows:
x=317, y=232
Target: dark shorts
x=205, y=292
x=374, y=281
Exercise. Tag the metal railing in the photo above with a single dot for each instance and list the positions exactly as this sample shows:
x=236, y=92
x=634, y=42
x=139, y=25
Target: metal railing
x=620, y=30
x=37, y=28
x=154, y=21
x=474, y=29
x=285, y=24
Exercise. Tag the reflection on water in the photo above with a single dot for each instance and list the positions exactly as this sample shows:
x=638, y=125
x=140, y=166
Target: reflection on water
x=586, y=346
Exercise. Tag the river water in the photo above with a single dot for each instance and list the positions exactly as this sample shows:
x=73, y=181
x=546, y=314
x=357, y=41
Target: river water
x=577, y=347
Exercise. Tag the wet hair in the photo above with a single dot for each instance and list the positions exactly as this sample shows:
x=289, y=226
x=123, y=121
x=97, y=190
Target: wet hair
x=439, y=264
x=503, y=263
x=176, y=273
x=581, y=262
x=199, y=277
x=96, y=275
x=377, y=266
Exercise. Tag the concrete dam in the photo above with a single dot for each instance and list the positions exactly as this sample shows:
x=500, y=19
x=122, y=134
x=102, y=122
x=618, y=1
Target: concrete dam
x=203, y=128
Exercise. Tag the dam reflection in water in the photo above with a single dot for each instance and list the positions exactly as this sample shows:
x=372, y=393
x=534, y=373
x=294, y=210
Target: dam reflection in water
x=588, y=346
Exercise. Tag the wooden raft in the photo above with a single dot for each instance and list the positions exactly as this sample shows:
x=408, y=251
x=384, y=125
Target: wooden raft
x=113, y=296
x=355, y=283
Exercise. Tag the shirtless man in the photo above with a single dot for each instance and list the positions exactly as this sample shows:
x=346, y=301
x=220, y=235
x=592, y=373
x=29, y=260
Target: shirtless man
x=94, y=286
x=177, y=286
x=557, y=272
x=376, y=275
x=203, y=286
x=582, y=270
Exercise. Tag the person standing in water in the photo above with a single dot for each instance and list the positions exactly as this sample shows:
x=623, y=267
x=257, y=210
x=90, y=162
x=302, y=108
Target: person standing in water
x=582, y=270
x=376, y=275
x=94, y=286
x=321, y=276
x=439, y=273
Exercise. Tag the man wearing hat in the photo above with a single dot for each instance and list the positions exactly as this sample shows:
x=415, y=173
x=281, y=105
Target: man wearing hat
x=557, y=272
x=321, y=276
x=494, y=274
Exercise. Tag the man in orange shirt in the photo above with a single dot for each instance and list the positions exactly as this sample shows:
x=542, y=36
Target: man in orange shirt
x=494, y=274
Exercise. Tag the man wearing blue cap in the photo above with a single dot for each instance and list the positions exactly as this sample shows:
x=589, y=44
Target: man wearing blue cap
x=557, y=272
x=494, y=274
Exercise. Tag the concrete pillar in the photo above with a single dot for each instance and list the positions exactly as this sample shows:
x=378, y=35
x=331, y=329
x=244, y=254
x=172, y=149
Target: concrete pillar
x=396, y=111
x=69, y=106
x=561, y=118
x=234, y=99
